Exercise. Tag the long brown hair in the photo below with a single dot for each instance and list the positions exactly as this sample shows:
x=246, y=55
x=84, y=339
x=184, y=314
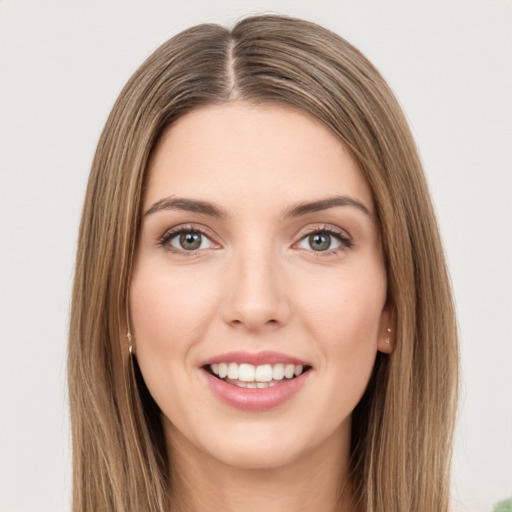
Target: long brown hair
x=403, y=426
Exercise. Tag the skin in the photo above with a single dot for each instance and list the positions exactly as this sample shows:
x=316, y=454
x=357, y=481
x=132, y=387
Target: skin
x=257, y=284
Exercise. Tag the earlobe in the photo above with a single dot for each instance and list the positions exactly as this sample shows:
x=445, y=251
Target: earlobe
x=387, y=332
x=130, y=343
x=386, y=346
x=129, y=337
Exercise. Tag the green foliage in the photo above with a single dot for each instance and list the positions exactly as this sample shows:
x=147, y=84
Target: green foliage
x=503, y=506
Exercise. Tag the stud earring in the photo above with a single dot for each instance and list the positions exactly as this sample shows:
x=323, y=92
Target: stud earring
x=130, y=347
x=388, y=341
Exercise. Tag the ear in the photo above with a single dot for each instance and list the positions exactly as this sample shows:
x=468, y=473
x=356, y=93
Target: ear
x=127, y=338
x=126, y=335
x=387, y=330
x=130, y=343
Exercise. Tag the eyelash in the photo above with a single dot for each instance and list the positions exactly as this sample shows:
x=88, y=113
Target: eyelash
x=172, y=233
x=341, y=236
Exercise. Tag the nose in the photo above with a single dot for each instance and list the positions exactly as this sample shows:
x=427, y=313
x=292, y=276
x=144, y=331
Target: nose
x=255, y=294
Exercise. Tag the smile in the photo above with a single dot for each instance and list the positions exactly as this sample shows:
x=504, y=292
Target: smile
x=255, y=382
x=256, y=377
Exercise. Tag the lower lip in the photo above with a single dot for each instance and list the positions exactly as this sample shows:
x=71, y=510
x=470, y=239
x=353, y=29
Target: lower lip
x=259, y=399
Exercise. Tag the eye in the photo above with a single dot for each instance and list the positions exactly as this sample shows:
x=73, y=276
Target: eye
x=186, y=240
x=324, y=240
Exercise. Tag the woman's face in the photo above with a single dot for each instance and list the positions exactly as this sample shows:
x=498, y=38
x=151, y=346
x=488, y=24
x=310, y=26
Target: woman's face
x=259, y=256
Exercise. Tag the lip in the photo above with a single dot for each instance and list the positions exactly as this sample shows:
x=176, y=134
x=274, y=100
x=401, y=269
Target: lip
x=256, y=358
x=249, y=399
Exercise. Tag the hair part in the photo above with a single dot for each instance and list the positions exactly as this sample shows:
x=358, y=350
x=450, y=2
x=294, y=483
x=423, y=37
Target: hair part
x=403, y=426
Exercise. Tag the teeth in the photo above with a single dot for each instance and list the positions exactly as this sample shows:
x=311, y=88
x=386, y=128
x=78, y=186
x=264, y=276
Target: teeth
x=278, y=372
x=251, y=376
x=253, y=385
x=263, y=373
x=223, y=370
x=233, y=371
x=246, y=372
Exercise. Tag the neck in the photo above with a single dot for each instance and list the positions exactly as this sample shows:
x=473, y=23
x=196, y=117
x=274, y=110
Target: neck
x=315, y=481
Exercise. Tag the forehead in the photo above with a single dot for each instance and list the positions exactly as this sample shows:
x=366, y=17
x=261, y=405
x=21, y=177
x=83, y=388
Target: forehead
x=263, y=155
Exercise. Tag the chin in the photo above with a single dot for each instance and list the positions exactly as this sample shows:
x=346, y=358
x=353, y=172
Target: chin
x=257, y=456
x=262, y=445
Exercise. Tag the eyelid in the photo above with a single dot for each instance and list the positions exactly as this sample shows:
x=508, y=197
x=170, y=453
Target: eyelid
x=171, y=233
x=341, y=235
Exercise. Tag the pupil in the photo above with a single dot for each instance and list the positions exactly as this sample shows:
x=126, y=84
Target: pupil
x=320, y=241
x=190, y=241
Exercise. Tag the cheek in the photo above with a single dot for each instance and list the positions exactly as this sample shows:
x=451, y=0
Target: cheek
x=169, y=311
x=346, y=303
x=344, y=316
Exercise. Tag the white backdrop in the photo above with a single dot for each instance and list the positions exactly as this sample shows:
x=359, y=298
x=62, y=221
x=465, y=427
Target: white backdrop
x=61, y=66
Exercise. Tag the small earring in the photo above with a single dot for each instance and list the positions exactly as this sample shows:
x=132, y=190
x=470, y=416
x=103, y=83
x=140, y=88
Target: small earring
x=388, y=341
x=130, y=347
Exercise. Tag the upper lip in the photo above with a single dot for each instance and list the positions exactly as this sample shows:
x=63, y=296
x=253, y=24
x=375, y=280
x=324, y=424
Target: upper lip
x=255, y=358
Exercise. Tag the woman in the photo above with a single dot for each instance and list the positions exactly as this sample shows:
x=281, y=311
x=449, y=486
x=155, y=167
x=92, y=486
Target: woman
x=261, y=315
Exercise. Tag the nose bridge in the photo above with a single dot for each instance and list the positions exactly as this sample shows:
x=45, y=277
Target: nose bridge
x=256, y=296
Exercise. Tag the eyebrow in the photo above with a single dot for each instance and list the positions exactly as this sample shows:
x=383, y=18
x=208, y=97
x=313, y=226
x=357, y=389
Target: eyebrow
x=295, y=210
x=324, y=204
x=189, y=205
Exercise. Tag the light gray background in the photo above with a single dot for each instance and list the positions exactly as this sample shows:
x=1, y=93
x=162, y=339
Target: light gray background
x=61, y=66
